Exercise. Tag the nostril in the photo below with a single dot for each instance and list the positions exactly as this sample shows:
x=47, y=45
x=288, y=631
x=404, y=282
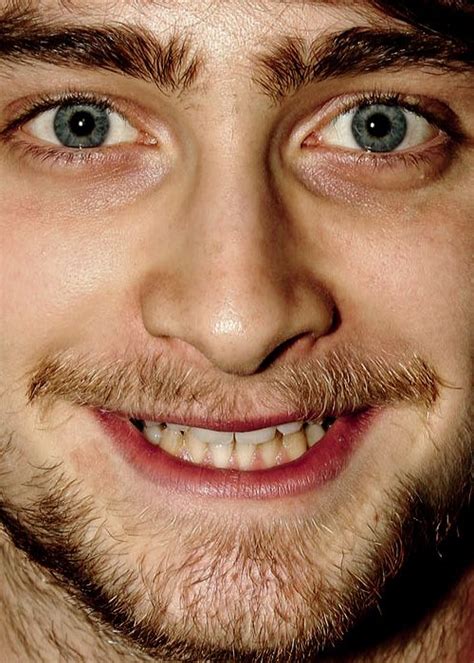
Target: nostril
x=298, y=346
x=336, y=321
x=293, y=346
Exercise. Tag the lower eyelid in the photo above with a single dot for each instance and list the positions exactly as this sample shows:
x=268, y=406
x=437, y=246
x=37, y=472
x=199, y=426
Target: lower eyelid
x=78, y=162
x=327, y=171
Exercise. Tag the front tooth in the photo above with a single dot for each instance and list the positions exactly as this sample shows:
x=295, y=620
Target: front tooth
x=295, y=445
x=197, y=449
x=172, y=442
x=291, y=427
x=212, y=436
x=314, y=433
x=220, y=454
x=244, y=454
x=256, y=436
x=153, y=433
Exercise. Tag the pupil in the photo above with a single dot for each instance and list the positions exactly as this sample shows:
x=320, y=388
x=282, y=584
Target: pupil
x=379, y=125
x=82, y=123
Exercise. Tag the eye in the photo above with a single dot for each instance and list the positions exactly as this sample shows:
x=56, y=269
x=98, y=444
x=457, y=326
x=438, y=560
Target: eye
x=378, y=128
x=81, y=125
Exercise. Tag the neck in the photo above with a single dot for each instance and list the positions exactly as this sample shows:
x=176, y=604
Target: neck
x=427, y=611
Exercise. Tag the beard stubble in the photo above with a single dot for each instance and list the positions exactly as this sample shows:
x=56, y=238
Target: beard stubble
x=258, y=591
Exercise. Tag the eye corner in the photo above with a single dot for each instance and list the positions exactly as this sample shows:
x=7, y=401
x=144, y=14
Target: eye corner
x=311, y=140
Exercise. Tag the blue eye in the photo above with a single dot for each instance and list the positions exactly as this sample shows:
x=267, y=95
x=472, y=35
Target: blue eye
x=379, y=128
x=81, y=125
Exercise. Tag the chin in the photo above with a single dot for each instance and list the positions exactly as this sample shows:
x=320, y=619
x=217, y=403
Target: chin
x=205, y=560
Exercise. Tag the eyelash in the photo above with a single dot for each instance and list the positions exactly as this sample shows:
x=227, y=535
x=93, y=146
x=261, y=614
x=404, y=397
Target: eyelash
x=74, y=156
x=446, y=122
x=56, y=155
x=391, y=99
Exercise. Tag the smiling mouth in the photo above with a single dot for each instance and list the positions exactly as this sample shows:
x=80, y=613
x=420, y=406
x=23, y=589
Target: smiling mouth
x=246, y=451
x=284, y=459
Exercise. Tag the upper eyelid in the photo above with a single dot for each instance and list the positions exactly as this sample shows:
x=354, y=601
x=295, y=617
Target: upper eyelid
x=415, y=108
x=47, y=106
x=49, y=102
x=441, y=116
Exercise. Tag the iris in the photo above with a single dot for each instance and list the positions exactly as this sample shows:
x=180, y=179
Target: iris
x=379, y=128
x=81, y=125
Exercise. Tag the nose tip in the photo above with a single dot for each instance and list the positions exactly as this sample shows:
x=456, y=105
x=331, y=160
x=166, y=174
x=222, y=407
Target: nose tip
x=242, y=327
x=245, y=347
x=239, y=343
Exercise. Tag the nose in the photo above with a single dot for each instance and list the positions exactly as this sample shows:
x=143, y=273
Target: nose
x=231, y=282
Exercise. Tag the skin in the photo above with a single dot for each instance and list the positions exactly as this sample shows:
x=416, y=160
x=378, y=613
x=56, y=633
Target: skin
x=102, y=261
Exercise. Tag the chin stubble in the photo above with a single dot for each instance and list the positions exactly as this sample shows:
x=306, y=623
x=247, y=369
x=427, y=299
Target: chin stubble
x=252, y=593
x=264, y=591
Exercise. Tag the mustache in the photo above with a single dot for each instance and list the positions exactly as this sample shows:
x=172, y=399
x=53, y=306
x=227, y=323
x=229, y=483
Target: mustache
x=342, y=382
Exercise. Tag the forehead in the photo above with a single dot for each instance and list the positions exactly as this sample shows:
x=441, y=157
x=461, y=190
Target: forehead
x=232, y=22
x=220, y=31
x=197, y=16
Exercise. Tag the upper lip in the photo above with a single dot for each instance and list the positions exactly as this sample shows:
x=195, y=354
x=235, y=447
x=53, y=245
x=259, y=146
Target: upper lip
x=235, y=414
x=224, y=425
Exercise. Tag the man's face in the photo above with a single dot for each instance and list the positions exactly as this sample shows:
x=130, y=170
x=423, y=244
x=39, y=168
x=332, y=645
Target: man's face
x=225, y=243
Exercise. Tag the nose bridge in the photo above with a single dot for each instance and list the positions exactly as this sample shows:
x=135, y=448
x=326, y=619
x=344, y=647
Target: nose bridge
x=233, y=283
x=235, y=226
x=231, y=214
x=228, y=214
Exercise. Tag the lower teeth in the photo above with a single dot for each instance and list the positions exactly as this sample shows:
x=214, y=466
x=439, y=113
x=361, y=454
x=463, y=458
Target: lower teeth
x=242, y=456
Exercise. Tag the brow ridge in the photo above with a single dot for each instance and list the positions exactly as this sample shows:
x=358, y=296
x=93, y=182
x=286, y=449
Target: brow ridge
x=125, y=49
x=26, y=35
x=292, y=64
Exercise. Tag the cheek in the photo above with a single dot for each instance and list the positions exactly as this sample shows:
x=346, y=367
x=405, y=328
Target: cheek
x=55, y=269
x=399, y=267
x=412, y=277
x=71, y=249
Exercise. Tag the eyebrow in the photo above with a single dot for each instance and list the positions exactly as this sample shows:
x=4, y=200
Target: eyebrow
x=292, y=63
x=27, y=36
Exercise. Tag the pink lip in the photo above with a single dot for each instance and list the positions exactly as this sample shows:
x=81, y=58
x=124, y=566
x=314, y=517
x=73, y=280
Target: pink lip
x=318, y=466
x=241, y=425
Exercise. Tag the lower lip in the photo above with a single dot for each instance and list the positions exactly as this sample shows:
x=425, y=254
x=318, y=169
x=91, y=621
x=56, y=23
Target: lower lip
x=317, y=467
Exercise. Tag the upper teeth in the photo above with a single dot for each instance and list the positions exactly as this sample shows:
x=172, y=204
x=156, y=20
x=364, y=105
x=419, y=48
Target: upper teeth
x=212, y=436
x=291, y=427
x=256, y=436
x=315, y=432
